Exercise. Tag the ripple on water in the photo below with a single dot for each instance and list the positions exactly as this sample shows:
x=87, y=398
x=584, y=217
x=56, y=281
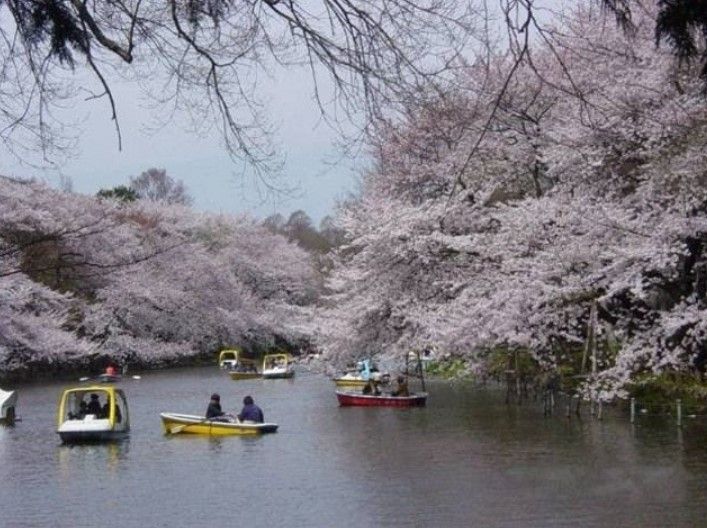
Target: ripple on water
x=466, y=459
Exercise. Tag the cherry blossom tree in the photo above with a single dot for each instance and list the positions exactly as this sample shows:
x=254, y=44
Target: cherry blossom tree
x=500, y=213
x=144, y=282
x=34, y=334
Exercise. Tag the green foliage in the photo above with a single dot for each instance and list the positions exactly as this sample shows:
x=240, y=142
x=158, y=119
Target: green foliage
x=681, y=23
x=663, y=389
x=501, y=360
x=121, y=193
x=52, y=22
x=300, y=230
x=452, y=368
x=49, y=263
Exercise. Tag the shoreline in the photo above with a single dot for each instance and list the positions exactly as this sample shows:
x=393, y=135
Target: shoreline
x=42, y=371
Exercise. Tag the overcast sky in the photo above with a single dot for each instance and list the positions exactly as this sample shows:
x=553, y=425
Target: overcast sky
x=215, y=182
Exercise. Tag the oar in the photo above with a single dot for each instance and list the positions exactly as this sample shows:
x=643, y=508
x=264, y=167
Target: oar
x=88, y=378
x=178, y=428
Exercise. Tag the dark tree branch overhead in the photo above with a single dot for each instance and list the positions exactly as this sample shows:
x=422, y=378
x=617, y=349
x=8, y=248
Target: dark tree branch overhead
x=206, y=56
x=682, y=23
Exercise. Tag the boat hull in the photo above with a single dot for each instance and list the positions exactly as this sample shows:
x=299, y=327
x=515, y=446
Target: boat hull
x=77, y=424
x=92, y=437
x=91, y=431
x=279, y=375
x=8, y=400
x=245, y=375
x=348, y=399
x=108, y=378
x=189, y=424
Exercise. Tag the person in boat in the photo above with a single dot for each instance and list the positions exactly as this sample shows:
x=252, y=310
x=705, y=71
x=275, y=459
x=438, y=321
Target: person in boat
x=111, y=370
x=371, y=387
x=105, y=412
x=94, y=406
x=214, y=408
x=81, y=412
x=251, y=412
x=401, y=388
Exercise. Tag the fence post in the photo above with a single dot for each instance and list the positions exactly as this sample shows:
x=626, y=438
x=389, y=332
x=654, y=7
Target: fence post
x=679, y=405
x=633, y=410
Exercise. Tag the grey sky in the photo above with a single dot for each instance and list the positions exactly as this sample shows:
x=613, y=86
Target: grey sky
x=215, y=182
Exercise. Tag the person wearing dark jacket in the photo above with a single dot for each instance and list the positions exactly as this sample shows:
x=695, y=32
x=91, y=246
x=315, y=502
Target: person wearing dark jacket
x=94, y=406
x=371, y=388
x=251, y=412
x=214, y=408
x=402, y=387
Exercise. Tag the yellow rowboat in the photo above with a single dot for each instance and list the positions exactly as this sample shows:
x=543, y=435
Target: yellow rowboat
x=350, y=381
x=359, y=374
x=173, y=423
x=355, y=380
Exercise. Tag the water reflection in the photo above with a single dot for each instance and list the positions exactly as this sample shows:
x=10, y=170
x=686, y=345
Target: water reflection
x=73, y=460
x=465, y=460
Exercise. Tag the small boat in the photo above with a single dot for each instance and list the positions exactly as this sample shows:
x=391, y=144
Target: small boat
x=8, y=400
x=371, y=396
x=350, y=379
x=351, y=399
x=173, y=423
x=277, y=366
x=95, y=413
x=108, y=378
x=110, y=375
x=228, y=358
x=358, y=377
x=245, y=368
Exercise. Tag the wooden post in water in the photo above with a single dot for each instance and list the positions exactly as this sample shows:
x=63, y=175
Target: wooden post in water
x=633, y=410
x=679, y=406
x=517, y=378
x=422, y=374
x=509, y=378
x=592, y=347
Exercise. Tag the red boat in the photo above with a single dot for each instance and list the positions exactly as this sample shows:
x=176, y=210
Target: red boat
x=348, y=399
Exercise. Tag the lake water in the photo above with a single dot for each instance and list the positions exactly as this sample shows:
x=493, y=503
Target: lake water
x=466, y=459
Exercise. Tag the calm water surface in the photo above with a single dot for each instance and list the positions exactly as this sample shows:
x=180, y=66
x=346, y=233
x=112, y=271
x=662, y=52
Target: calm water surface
x=465, y=460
